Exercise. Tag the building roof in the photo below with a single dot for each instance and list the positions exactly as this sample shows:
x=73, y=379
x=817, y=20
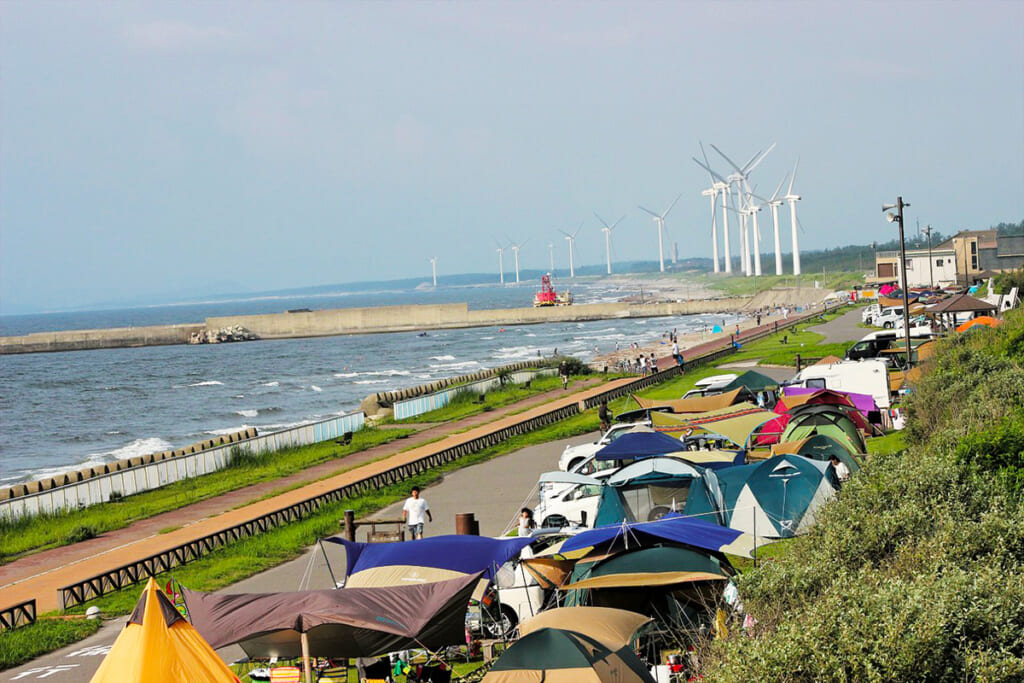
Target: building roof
x=987, y=239
x=962, y=303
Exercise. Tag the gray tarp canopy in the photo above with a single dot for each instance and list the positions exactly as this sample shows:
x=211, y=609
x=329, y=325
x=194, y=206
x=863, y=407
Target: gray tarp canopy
x=350, y=622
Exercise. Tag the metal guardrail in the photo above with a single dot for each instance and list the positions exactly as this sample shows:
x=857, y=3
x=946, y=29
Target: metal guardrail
x=18, y=615
x=135, y=572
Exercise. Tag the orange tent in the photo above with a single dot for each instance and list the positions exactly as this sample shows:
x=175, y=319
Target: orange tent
x=985, y=320
x=157, y=645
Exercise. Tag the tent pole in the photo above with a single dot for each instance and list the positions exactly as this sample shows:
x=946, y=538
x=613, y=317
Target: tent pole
x=305, y=658
x=334, y=581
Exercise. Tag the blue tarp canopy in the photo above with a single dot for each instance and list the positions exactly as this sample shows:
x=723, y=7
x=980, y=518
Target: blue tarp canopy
x=462, y=554
x=640, y=445
x=677, y=529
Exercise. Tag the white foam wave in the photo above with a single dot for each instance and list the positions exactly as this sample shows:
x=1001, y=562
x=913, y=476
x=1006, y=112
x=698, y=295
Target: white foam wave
x=247, y=413
x=271, y=384
x=315, y=387
x=346, y=375
x=453, y=366
x=208, y=383
x=226, y=430
x=374, y=373
x=486, y=338
x=372, y=381
x=442, y=358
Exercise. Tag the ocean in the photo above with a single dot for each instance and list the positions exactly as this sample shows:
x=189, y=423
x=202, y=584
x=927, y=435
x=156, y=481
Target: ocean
x=69, y=410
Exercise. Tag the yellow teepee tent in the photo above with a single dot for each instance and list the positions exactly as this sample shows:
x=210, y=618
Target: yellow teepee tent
x=157, y=645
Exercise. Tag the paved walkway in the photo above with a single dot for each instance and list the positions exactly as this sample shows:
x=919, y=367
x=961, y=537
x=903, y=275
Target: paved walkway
x=842, y=329
x=40, y=575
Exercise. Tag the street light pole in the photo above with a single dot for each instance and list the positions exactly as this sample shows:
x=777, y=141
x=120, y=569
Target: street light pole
x=898, y=218
x=931, y=276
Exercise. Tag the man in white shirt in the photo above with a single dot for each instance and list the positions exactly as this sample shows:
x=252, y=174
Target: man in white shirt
x=414, y=511
x=842, y=471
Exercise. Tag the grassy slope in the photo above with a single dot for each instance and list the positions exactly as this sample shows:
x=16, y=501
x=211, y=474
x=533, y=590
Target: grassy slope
x=738, y=285
x=916, y=570
x=465, y=404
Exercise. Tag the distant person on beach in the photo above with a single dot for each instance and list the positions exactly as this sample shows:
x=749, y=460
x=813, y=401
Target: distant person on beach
x=676, y=354
x=652, y=365
x=642, y=362
x=759, y=318
x=413, y=513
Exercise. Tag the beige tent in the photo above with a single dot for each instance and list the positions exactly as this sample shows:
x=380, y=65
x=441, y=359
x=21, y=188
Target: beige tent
x=613, y=628
x=701, y=404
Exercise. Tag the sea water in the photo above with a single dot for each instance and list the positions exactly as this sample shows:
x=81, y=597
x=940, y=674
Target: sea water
x=69, y=410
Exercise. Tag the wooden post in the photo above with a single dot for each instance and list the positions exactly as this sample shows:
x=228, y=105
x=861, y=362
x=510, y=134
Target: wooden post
x=306, y=667
x=464, y=523
x=350, y=525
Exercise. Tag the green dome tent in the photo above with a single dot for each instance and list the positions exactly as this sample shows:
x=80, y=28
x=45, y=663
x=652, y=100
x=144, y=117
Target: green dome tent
x=829, y=420
x=651, y=488
x=558, y=656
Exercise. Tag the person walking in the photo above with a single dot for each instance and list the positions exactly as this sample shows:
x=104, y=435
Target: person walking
x=643, y=365
x=414, y=511
x=563, y=372
x=527, y=525
x=605, y=416
x=652, y=365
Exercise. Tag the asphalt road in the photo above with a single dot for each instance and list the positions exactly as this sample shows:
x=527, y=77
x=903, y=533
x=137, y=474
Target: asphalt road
x=493, y=490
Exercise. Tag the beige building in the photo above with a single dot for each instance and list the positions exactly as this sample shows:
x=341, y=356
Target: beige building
x=957, y=260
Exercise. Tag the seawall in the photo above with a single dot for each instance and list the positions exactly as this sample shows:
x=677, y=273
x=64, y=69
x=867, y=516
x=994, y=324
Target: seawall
x=358, y=321
x=410, y=318
x=110, y=338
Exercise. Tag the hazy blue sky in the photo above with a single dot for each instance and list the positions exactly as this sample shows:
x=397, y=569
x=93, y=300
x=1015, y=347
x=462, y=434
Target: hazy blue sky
x=151, y=148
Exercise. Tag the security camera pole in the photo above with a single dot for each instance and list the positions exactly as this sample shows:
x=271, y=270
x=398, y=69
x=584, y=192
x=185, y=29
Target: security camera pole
x=898, y=218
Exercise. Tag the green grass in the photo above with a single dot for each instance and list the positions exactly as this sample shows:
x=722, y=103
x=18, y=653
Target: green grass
x=32, y=534
x=890, y=444
x=466, y=403
x=46, y=635
x=250, y=556
x=739, y=285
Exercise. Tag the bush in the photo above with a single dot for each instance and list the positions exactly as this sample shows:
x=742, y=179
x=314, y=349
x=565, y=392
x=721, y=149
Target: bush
x=82, y=532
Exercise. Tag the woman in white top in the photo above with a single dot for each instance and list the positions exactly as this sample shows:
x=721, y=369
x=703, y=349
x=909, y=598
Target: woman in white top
x=526, y=523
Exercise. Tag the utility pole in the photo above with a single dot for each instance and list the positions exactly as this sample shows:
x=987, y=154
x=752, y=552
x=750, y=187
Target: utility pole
x=898, y=218
x=931, y=277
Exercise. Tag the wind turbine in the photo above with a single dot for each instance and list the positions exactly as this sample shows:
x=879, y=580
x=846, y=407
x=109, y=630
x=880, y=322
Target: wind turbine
x=774, y=202
x=607, y=230
x=719, y=186
x=433, y=267
x=515, y=250
x=659, y=220
x=742, y=177
x=793, y=199
x=501, y=259
x=571, y=239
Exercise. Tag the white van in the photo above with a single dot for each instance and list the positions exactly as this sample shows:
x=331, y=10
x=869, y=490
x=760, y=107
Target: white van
x=888, y=317
x=859, y=376
x=574, y=455
x=870, y=312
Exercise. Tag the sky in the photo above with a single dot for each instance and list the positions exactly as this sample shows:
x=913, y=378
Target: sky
x=158, y=149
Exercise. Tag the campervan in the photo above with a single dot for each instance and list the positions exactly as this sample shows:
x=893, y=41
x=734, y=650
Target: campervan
x=859, y=376
x=870, y=312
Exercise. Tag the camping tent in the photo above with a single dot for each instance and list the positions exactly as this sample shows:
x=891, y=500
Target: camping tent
x=697, y=404
x=736, y=423
x=649, y=489
x=778, y=497
x=673, y=528
x=983, y=320
x=437, y=558
x=558, y=656
x=819, y=447
x=808, y=420
x=157, y=645
x=613, y=628
x=753, y=381
x=354, y=622
x=865, y=403
x=646, y=567
x=639, y=445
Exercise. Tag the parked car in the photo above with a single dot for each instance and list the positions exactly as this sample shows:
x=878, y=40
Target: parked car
x=710, y=386
x=874, y=344
x=888, y=317
x=870, y=312
x=574, y=455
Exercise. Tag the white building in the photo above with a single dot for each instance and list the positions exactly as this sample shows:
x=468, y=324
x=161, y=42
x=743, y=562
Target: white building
x=924, y=269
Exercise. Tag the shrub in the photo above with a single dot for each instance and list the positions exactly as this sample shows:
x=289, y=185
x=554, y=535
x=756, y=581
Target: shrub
x=82, y=532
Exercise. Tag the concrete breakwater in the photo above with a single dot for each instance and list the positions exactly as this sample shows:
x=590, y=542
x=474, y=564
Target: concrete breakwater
x=358, y=321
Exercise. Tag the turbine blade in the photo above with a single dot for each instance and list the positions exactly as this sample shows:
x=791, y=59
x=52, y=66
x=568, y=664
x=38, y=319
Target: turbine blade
x=781, y=183
x=671, y=206
x=603, y=221
x=644, y=208
x=578, y=229
x=759, y=160
x=793, y=179
x=727, y=159
x=612, y=226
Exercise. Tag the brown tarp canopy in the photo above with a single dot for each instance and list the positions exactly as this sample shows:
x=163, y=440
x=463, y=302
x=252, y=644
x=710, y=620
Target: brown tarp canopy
x=701, y=404
x=962, y=303
x=350, y=622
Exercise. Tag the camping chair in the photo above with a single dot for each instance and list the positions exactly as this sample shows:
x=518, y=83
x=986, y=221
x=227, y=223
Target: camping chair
x=286, y=674
x=334, y=672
